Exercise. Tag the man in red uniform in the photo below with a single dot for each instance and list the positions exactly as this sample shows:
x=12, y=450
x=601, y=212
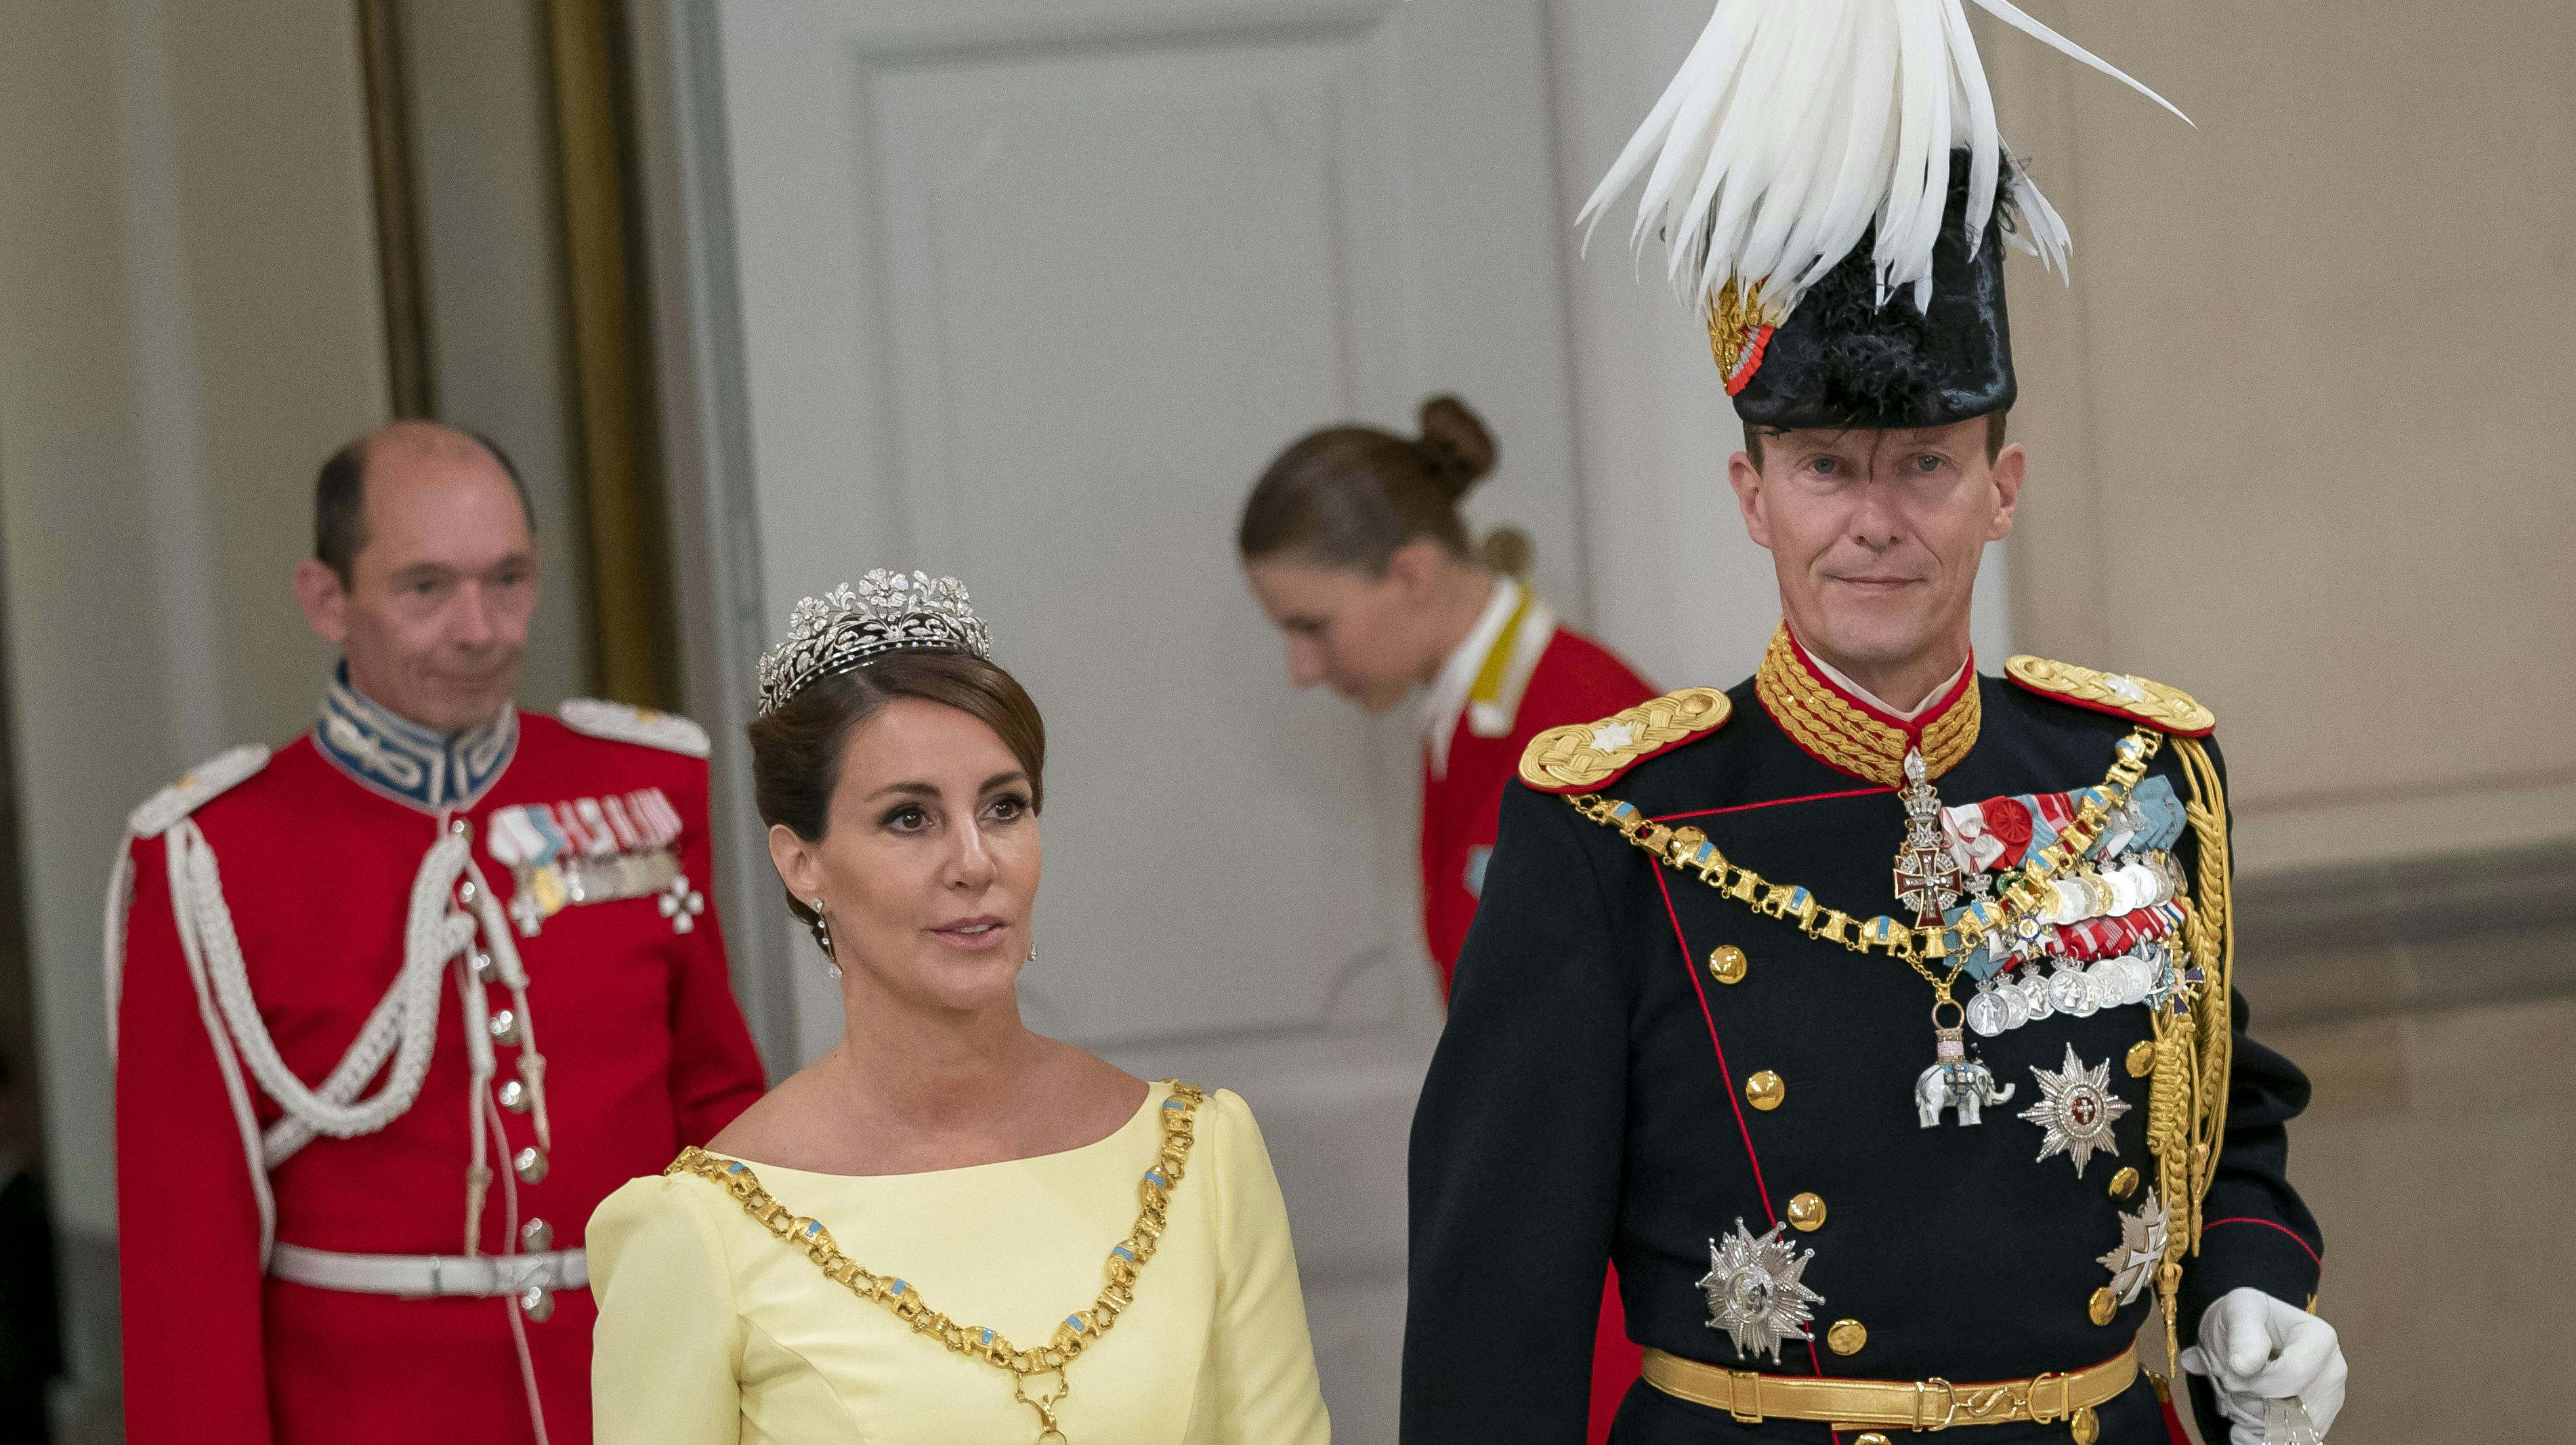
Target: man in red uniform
x=401, y=1002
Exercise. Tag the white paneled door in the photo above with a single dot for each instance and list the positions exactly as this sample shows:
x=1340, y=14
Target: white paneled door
x=1029, y=290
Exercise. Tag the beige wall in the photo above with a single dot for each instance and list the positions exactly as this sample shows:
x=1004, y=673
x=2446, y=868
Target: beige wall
x=188, y=323
x=2295, y=425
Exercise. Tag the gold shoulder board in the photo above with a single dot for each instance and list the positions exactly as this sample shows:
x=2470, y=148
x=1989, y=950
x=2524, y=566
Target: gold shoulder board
x=2121, y=694
x=1582, y=756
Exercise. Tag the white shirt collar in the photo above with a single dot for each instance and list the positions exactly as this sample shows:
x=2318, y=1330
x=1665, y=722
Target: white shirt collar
x=1447, y=699
x=1836, y=676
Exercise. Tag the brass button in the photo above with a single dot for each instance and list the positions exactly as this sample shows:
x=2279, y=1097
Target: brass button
x=2086, y=1426
x=2124, y=1183
x=539, y=1303
x=536, y=1236
x=516, y=1098
x=1806, y=1214
x=2142, y=1059
x=2104, y=1306
x=1872, y=1438
x=1846, y=1337
x=1727, y=964
x=530, y=1164
x=1764, y=1090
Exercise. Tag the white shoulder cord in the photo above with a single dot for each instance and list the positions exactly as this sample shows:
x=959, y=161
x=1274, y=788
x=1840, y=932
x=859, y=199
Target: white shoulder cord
x=404, y=1023
x=172, y=851
x=120, y=898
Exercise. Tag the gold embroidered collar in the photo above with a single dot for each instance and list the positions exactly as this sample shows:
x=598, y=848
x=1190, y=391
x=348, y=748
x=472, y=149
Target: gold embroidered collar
x=1847, y=733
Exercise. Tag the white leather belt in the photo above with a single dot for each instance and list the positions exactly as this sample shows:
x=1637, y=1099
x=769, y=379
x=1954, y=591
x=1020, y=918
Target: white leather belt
x=431, y=1276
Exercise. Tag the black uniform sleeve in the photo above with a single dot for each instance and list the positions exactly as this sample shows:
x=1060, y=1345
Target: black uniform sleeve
x=2256, y=1231
x=1517, y=1148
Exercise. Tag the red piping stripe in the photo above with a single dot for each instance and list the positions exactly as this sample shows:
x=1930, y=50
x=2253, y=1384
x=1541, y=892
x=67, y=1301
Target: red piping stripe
x=1774, y=803
x=2313, y=1257
x=1727, y=1076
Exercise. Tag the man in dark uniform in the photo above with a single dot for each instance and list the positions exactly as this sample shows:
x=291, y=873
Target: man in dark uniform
x=1872, y=1016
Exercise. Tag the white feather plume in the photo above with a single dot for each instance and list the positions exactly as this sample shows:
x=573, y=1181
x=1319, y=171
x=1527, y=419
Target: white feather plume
x=1796, y=124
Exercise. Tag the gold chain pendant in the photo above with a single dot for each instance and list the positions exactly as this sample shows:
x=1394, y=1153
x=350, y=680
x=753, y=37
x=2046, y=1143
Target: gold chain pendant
x=1127, y=1260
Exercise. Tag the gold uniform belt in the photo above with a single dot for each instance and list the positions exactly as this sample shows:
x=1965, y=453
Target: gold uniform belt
x=1933, y=1404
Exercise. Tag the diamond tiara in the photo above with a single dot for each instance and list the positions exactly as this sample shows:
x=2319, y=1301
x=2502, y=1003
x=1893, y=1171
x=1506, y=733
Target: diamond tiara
x=847, y=627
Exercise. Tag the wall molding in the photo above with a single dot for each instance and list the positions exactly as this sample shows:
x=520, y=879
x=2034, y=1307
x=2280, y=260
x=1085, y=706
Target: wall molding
x=2467, y=930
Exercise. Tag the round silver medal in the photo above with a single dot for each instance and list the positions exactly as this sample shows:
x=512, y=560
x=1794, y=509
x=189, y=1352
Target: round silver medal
x=1986, y=1012
x=2035, y=995
x=2111, y=982
x=2072, y=991
x=2136, y=978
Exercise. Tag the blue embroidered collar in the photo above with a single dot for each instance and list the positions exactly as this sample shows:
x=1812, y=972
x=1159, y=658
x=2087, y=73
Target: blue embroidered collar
x=406, y=762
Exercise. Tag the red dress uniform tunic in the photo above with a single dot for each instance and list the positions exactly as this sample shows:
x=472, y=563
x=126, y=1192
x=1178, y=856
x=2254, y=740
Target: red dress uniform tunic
x=1529, y=676
x=645, y=1051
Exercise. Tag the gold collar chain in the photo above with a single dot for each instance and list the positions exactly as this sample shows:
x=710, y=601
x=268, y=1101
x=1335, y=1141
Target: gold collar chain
x=2020, y=907
x=1835, y=732
x=1080, y=1329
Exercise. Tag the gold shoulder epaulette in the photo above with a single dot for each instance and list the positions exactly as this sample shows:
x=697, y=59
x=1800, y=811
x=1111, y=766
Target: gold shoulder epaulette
x=1582, y=756
x=2120, y=694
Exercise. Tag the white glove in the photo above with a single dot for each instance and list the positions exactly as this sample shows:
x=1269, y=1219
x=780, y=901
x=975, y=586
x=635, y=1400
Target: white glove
x=2255, y=1348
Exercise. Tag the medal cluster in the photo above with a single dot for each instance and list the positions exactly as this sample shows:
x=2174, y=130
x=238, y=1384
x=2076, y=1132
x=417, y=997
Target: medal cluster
x=2115, y=928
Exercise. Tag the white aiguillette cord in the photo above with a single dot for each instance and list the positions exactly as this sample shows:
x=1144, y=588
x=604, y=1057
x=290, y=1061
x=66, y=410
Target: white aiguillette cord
x=403, y=1025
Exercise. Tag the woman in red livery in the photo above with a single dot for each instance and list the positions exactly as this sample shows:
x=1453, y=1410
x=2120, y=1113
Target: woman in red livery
x=1353, y=542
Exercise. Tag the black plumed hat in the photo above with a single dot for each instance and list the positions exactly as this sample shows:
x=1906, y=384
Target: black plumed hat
x=1834, y=193
x=1857, y=354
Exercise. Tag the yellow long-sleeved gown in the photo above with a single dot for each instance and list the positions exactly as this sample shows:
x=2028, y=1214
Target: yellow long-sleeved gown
x=711, y=1329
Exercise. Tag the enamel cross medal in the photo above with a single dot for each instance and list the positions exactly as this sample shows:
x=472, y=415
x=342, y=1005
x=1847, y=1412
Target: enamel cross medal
x=1927, y=876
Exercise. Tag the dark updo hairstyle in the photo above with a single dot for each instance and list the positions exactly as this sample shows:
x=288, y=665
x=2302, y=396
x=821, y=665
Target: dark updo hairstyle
x=1348, y=496
x=797, y=751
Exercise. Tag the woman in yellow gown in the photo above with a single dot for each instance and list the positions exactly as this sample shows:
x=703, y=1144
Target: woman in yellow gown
x=949, y=1228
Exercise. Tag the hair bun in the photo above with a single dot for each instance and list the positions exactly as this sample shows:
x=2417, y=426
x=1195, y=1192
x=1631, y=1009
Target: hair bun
x=1455, y=442
x=1508, y=550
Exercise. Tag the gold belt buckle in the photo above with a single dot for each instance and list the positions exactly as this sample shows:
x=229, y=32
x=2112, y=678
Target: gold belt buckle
x=1949, y=1403
x=1745, y=1404
x=2042, y=1415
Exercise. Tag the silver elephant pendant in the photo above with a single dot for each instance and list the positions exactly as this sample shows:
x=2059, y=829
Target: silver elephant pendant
x=1955, y=1081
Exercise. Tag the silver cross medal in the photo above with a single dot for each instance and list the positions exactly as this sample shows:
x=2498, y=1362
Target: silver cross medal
x=682, y=904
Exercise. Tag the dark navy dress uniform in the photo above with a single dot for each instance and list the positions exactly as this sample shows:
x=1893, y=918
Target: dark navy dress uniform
x=1602, y=1092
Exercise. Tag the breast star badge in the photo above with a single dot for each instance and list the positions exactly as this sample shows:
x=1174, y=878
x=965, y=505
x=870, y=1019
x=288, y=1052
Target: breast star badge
x=2077, y=1108
x=1754, y=1293
x=2133, y=1260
